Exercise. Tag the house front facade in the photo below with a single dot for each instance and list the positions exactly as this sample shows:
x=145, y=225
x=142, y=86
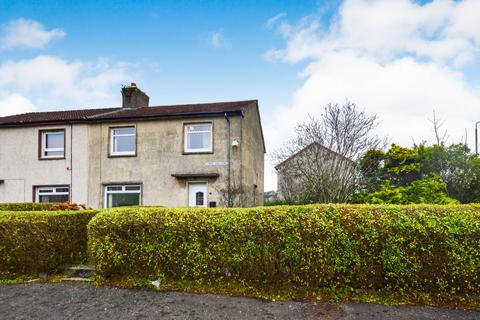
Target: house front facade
x=209, y=154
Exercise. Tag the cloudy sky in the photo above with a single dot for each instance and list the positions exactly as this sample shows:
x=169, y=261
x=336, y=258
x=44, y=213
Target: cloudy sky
x=399, y=59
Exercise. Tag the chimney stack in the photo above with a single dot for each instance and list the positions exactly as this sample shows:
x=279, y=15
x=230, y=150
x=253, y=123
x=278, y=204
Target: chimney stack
x=132, y=97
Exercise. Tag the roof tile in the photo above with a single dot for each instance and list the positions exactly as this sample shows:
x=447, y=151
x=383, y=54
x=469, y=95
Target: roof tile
x=110, y=114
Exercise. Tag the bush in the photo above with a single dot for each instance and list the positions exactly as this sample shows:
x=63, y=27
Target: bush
x=426, y=248
x=27, y=206
x=33, y=206
x=42, y=241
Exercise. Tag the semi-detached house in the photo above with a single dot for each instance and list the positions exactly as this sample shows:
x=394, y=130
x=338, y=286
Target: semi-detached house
x=209, y=154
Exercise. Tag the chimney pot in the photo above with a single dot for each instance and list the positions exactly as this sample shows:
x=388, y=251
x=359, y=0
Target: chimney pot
x=133, y=84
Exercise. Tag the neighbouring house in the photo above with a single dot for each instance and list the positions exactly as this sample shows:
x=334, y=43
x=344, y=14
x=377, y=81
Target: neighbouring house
x=209, y=154
x=314, y=173
x=270, y=195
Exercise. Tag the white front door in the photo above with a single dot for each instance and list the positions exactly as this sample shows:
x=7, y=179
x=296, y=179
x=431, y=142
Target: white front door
x=197, y=194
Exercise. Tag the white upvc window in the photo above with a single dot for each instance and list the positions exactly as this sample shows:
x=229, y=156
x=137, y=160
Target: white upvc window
x=52, y=144
x=122, y=195
x=198, y=137
x=123, y=141
x=58, y=194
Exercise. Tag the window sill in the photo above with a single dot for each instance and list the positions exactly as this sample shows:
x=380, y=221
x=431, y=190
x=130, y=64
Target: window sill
x=122, y=155
x=52, y=158
x=197, y=152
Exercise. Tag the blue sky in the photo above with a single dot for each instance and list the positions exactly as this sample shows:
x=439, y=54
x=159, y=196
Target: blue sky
x=169, y=44
x=399, y=59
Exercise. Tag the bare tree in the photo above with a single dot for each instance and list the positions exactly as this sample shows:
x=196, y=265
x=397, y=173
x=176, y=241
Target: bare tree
x=441, y=136
x=232, y=197
x=319, y=165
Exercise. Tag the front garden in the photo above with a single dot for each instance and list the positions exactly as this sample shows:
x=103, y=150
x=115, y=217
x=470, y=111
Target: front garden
x=384, y=253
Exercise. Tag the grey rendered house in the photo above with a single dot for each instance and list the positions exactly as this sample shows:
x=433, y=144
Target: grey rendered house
x=209, y=154
x=311, y=168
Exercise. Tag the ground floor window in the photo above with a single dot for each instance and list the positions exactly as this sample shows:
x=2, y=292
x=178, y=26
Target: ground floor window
x=52, y=194
x=122, y=195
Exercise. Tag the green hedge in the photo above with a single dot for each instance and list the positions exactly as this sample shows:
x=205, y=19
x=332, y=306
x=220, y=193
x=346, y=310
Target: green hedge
x=27, y=206
x=42, y=241
x=426, y=248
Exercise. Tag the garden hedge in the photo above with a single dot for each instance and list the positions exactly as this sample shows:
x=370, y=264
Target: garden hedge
x=28, y=206
x=42, y=241
x=426, y=248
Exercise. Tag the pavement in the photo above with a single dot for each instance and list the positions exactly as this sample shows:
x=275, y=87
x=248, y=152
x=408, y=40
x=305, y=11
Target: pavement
x=85, y=301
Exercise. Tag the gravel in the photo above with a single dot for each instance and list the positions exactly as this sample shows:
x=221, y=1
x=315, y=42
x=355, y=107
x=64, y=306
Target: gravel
x=85, y=301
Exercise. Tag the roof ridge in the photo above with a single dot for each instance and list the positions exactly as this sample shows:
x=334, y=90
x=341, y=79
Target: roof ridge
x=204, y=103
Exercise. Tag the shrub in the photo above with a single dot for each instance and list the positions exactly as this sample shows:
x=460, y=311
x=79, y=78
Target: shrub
x=426, y=248
x=33, y=206
x=27, y=206
x=42, y=241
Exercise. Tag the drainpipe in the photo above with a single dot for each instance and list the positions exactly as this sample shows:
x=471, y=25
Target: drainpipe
x=229, y=200
x=71, y=163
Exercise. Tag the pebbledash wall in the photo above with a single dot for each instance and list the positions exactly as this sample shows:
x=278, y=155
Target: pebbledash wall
x=88, y=167
x=21, y=169
x=160, y=153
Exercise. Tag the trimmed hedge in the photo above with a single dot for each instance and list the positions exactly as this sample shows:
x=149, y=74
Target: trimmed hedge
x=28, y=206
x=422, y=248
x=42, y=241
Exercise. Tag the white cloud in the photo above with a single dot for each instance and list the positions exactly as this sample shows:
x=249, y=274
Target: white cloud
x=24, y=33
x=217, y=40
x=52, y=83
x=14, y=103
x=395, y=58
x=273, y=20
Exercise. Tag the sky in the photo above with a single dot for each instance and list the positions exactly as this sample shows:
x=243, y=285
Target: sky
x=397, y=59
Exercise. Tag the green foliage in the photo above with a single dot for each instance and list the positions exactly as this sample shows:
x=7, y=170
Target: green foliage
x=424, y=248
x=435, y=174
x=456, y=166
x=284, y=202
x=27, y=206
x=402, y=165
x=429, y=190
x=42, y=241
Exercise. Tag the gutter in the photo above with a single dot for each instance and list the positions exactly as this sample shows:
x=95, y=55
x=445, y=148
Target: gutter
x=119, y=119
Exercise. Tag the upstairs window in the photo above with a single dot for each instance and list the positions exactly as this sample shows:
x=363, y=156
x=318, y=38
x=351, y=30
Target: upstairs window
x=52, y=194
x=198, y=137
x=123, y=141
x=52, y=144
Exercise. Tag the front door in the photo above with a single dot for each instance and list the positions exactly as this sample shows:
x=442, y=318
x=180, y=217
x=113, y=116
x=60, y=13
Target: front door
x=197, y=194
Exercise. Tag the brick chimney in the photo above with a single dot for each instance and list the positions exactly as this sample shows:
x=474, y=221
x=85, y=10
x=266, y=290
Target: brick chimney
x=132, y=97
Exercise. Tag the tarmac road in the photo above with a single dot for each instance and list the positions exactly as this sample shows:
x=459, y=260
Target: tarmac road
x=85, y=301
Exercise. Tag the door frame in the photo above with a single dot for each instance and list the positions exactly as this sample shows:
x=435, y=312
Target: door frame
x=188, y=191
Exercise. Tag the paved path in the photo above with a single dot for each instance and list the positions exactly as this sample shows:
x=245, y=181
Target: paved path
x=84, y=301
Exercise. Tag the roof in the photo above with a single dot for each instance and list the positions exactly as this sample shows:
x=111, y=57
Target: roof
x=113, y=114
x=308, y=147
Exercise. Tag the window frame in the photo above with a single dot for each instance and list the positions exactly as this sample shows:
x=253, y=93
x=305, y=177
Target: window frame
x=123, y=191
x=42, y=144
x=111, y=135
x=36, y=193
x=186, y=149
